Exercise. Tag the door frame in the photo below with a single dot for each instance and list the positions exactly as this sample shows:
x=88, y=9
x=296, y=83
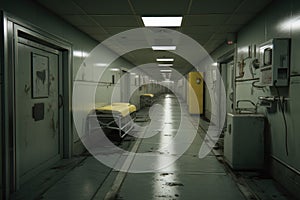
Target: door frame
x=226, y=58
x=8, y=37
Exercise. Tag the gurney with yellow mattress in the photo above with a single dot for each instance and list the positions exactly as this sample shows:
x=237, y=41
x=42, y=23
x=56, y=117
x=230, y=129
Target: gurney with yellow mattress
x=117, y=116
x=146, y=100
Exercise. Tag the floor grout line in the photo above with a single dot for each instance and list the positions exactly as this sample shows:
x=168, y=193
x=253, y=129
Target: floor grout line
x=112, y=193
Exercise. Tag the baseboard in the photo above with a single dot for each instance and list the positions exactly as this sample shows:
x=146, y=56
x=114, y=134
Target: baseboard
x=78, y=148
x=286, y=177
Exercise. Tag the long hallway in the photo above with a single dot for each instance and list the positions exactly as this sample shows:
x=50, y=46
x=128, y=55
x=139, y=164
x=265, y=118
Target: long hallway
x=188, y=177
x=187, y=174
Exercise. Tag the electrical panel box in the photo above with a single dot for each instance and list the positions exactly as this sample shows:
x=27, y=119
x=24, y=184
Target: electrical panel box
x=275, y=62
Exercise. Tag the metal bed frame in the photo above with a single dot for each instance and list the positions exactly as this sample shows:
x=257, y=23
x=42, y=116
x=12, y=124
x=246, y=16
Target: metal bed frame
x=114, y=121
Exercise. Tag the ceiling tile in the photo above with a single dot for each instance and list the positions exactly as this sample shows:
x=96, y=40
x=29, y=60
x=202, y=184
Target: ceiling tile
x=160, y=7
x=108, y=7
x=208, y=21
x=117, y=20
x=56, y=6
x=253, y=6
x=230, y=28
x=99, y=37
x=238, y=19
x=213, y=6
x=200, y=29
x=219, y=36
x=92, y=30
x=213, y=44
x=116, y=30
x=201, y=35
x=80, y=20
x=200, y=20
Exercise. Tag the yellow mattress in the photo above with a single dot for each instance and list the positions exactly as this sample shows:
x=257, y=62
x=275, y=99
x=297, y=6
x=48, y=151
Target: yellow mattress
x=120, y=104
x=131, y=107
x=148, y=95
x=122, y=108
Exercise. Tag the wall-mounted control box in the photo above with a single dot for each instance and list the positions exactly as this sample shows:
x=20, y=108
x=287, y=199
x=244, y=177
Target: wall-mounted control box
x=275, y=62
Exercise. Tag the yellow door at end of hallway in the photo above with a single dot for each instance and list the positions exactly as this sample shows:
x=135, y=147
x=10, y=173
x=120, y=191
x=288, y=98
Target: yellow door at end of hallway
x=195, y=92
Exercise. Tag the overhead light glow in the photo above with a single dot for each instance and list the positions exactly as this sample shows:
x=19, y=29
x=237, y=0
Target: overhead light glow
x=80, y=54
x=114, y=69
x=162, y=21
x=166, y=70
x=165, y=65
x=165, y=59
x=164, y=48
x=215, y=64
x=101, y=64
x=292, y=23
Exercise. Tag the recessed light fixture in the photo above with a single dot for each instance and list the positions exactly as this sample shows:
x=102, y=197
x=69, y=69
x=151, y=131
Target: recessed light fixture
x=162, y=21
x=164, y=48
x=165, y=59
x=165, y=65
x=165, y=71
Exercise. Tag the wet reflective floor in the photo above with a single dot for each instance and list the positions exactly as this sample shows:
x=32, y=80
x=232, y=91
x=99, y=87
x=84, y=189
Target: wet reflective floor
x=165, y=165
x=188, y=177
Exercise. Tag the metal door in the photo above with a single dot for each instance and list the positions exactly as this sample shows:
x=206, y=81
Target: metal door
x=125, y=86
x=36, y=109
x=229, y=87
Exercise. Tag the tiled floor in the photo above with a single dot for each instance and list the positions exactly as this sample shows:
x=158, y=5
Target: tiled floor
x=172, y=132
x=188, y=177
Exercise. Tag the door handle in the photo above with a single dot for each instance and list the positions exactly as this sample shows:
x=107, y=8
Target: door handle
x=60, y=101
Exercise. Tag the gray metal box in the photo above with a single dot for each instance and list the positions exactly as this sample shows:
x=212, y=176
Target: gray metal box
x=244, y=141
x=275, y=62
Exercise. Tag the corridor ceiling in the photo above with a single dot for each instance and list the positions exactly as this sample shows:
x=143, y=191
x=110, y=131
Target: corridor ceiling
x=207, y=21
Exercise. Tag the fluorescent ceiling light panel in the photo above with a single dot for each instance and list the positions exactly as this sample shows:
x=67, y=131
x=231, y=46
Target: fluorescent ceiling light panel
x=164, y=48
x=165, y=59
x=162, y=21
x=165, y=71
x=165, y=65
